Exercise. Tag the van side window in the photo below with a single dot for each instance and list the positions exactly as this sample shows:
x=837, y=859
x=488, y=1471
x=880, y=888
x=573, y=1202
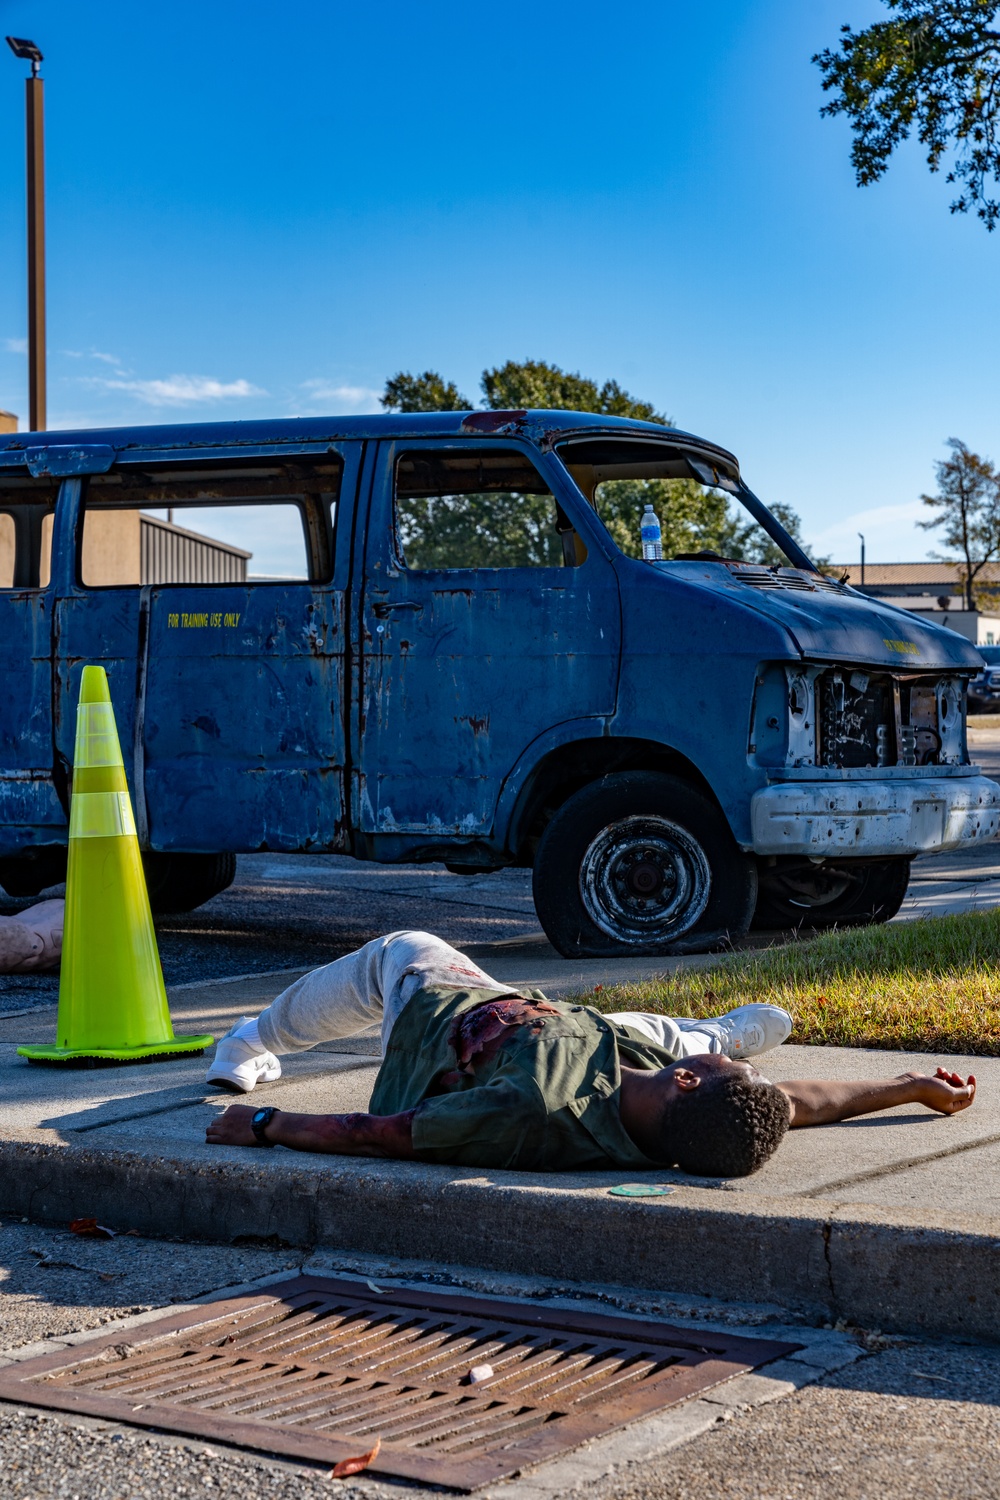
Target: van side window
x=6, y=551
x=26, y=507
x=486, y=508
x=255, y=526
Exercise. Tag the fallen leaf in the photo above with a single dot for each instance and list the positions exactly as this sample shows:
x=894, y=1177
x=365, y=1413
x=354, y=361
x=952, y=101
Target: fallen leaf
x=355, y=1465
x=91, y=1230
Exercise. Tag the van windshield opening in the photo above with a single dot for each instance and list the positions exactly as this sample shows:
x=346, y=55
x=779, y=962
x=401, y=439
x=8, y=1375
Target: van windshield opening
x=700, y=507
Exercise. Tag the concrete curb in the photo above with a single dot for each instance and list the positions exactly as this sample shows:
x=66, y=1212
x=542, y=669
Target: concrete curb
x=890, y=1271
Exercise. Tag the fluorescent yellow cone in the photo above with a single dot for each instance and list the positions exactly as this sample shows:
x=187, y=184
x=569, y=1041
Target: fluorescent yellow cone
x=112, y=1003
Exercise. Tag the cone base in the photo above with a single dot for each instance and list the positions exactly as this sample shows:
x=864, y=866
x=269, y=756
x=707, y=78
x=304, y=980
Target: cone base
x=97, y=1057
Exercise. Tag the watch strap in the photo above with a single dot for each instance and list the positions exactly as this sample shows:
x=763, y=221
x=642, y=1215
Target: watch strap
x=259, y=1123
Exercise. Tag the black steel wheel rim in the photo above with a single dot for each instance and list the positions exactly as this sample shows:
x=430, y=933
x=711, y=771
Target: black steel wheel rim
x=645, y=878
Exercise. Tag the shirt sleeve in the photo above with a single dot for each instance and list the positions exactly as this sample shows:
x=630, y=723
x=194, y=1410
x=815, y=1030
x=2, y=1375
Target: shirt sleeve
x=495, y=1124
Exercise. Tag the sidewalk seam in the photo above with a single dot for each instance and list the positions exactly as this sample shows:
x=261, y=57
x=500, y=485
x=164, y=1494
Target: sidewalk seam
x=875, y=1173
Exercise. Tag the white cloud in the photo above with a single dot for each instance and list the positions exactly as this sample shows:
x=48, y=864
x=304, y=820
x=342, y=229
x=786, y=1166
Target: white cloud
x=109, y=359
x=890, y=532
x=342, y=400
x=180, y=390
x=16, y=346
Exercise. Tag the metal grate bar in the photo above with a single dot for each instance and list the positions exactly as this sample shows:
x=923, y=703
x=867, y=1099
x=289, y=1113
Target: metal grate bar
x=309, y=1368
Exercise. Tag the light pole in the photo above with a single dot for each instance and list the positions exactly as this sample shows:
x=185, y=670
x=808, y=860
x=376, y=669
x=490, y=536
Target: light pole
x=34, y=108
x=861, y=535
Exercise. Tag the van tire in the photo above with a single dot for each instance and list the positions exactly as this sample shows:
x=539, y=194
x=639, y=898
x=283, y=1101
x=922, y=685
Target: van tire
x=181, y=882
x=32, y=872
x=641, y=862
x=874, y=895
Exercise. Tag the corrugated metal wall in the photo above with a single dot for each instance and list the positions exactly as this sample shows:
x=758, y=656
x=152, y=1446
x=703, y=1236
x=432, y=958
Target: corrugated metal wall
x=169, y=554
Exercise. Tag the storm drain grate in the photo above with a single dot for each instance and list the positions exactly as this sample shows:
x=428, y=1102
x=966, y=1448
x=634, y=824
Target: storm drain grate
x=317, y=1369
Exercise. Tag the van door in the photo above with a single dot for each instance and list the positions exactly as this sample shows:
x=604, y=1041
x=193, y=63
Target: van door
x=32, y=817
x=215, y=585
x=485, y=623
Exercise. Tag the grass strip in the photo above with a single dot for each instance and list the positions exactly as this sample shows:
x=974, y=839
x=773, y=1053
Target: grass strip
x=932, y=985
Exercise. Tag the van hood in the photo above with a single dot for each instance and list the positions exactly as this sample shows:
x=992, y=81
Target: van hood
x=830, y=622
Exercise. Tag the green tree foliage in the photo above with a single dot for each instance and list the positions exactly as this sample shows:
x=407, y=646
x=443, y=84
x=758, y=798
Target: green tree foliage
x=692, y=519
x=933, y=67
x=968, y=502
x=534, y=384
x=496, y=529
x=426, y=392
x=439, y=531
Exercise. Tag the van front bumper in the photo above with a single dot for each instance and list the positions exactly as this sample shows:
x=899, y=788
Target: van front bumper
x=870, y=818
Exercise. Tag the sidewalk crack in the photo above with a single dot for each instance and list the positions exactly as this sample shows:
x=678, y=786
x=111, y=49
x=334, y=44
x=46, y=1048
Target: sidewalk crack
x=827, y=1232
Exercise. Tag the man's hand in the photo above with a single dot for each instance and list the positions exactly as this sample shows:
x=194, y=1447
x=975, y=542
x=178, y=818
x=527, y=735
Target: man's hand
x=946, y=1092
x=232, y=1127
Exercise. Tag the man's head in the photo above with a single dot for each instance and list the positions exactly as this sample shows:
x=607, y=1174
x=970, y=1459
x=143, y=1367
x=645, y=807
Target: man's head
x=718, y=1118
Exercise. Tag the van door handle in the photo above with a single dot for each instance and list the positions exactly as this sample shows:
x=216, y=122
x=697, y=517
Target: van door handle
x=383, y=611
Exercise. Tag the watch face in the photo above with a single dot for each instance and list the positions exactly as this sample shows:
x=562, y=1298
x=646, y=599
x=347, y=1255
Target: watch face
x=260, y=1117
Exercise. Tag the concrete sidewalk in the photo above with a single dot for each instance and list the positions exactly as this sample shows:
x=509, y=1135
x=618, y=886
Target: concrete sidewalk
x=891, y=1221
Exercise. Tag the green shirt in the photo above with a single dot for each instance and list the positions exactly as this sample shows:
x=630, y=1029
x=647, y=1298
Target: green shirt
x=548, y=1099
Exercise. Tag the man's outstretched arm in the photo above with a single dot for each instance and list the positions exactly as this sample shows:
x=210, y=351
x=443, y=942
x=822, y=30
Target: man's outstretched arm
x=340, y=1135
x=821, y=1102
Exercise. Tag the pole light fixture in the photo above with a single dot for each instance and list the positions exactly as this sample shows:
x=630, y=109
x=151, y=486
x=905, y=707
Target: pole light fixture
x=35, y=140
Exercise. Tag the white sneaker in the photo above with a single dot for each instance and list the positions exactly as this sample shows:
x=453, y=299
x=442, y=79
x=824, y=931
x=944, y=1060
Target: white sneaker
x=750, y=1029
x=238, y=1066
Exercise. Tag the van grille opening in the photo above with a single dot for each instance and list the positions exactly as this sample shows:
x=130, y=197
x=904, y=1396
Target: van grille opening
x=882, y=719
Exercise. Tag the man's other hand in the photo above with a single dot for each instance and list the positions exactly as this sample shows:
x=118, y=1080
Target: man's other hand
x=232, y=1127
x=946, y=1092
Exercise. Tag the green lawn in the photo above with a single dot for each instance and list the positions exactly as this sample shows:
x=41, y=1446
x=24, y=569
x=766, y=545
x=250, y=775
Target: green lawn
x=926, y=986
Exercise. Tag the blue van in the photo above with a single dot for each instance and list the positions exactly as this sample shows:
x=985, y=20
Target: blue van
x=428, y=637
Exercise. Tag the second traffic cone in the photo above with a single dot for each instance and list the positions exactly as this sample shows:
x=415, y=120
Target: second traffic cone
x=112, y=1003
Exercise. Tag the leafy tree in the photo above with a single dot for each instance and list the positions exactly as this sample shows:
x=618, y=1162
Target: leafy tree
x=495, y=529
x=932, y=67
x=426, y=392
x=501, y=528
x=968, y=500
x=535, y=384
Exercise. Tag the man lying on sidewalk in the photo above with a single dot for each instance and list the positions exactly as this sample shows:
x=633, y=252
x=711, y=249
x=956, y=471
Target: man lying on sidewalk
x=474, y=1074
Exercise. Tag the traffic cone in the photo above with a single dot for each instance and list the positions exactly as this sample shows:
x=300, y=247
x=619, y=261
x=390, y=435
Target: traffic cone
x=112, y=1003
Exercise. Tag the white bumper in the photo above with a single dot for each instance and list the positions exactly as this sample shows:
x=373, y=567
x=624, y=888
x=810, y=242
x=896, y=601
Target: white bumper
x=875, y=817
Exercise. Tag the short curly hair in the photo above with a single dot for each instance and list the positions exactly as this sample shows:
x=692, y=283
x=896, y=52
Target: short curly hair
x=728, y=1127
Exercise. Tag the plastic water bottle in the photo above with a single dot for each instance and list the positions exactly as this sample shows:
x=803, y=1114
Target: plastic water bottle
x=652, y=536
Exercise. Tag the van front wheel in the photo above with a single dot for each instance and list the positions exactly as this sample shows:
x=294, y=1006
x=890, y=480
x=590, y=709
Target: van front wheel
x=797, y=893
x=641, y=862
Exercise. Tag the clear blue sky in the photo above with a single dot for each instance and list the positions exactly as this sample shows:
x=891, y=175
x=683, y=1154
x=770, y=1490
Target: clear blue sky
x=265, y=211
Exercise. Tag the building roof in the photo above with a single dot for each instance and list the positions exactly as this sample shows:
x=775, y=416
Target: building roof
x=926, y=574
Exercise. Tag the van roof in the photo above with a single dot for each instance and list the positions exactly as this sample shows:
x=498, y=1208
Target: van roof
x=542, y=427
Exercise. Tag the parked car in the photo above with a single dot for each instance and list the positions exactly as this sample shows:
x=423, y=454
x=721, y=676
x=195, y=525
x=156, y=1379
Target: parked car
x=422, y=637
x=984, y=688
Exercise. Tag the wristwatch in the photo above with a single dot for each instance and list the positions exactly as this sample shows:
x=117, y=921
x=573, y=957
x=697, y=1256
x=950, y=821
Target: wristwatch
x=259, y=1123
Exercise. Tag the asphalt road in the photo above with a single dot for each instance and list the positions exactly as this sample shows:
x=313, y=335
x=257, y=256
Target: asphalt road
x=913, y=1419
x=287, y=910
